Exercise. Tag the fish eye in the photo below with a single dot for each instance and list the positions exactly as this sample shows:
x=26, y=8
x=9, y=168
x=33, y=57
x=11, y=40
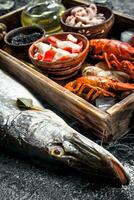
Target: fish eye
x=56, y=151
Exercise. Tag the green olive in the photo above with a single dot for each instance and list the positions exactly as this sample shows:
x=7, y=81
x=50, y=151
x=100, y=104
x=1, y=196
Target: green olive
x=3, y=27
x=1, y=36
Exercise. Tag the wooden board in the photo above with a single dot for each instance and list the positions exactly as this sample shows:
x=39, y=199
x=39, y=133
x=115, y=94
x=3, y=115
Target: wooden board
x=111, y=124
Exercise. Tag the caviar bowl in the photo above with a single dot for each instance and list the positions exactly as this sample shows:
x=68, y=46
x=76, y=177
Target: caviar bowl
x=22, y=37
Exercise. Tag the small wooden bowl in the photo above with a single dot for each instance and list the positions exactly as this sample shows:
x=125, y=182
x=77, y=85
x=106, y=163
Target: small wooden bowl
x=61, y=68
x=97, y=31
x=24, y=31
x=21, y=51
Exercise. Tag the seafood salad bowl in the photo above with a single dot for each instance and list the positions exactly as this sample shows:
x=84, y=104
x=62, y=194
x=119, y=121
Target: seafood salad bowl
x=60, y=55
x=93, y=21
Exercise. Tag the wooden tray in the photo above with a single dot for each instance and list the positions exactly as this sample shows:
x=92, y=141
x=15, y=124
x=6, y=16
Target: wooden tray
x=108, y=125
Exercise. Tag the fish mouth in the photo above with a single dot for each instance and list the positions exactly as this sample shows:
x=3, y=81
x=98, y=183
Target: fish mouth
x=90, y=158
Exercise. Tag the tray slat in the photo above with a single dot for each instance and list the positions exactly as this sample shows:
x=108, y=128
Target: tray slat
x=56, y=95
x=111, y=124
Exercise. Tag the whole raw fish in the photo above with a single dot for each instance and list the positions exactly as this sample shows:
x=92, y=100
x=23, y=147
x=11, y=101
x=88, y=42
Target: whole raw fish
x=43, y=136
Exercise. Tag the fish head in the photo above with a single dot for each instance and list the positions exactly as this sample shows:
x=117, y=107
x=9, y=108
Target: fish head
x=81, y=153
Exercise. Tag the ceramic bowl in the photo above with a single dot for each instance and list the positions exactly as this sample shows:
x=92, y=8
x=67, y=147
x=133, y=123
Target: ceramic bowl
x=24, y=31
x=96, y=31
x=61, y=69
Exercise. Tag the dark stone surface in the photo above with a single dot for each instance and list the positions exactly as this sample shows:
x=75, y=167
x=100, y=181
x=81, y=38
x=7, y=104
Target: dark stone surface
x=20, y=180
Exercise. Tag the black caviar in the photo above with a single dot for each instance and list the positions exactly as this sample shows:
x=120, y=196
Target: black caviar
x=25, y=39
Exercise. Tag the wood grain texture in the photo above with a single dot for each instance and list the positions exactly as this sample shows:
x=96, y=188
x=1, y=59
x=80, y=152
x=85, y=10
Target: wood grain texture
x=112, y=124
x=122, y=116
x=57, y=96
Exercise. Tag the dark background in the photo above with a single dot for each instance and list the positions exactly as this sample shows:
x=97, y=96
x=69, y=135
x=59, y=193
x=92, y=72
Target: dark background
x=125, y=6
x=20, y=180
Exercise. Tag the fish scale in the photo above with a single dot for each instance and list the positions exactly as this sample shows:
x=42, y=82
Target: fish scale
x=43, y=136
